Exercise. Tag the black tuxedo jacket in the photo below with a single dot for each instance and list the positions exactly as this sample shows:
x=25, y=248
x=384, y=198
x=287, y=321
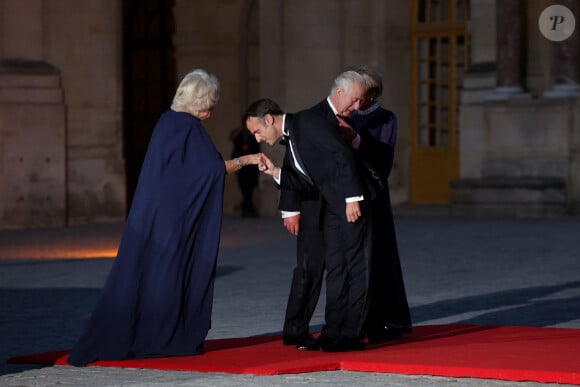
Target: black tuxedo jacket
x=306, y=198
x=330, y=163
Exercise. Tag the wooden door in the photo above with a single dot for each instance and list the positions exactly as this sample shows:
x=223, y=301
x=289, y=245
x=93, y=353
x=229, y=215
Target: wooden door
x=439, y=56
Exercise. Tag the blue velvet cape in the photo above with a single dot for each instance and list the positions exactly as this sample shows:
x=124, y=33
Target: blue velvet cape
x=157, y=300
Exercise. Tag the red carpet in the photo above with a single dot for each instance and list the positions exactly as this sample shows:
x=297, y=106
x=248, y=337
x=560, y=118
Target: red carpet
x=479, y=351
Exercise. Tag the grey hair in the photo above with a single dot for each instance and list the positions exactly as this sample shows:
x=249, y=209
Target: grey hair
x=198, y=91
x=345, y=81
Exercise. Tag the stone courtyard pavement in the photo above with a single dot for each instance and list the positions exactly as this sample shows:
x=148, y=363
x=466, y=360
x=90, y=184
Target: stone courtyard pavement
x=457, y=270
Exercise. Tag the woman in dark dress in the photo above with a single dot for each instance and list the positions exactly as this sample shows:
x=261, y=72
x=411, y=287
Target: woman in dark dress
x=389, y=315
x=157, y=300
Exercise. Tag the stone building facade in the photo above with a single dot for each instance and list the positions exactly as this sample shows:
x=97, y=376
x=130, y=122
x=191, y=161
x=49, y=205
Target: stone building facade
x=61, y=158
x=519, y=116
x=487, y=125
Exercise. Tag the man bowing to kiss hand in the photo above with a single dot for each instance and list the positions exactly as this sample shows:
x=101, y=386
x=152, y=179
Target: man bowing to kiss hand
x=318, y=159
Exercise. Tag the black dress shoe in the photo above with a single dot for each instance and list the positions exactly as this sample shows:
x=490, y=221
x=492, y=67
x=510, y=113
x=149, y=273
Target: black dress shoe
x=324, y=341
x=387, y=332
x=302, y=342
x=307, y=343
x=288, y=340
x=344, y=344
x=292, y=339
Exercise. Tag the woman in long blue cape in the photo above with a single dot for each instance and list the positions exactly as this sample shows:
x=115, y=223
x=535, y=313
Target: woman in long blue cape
x=157, y=300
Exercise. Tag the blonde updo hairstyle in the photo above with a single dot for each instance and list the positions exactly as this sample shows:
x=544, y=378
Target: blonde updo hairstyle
x=197, y=92
x=373, y=81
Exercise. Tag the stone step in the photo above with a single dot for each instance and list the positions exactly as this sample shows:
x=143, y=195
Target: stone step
x=509, y=197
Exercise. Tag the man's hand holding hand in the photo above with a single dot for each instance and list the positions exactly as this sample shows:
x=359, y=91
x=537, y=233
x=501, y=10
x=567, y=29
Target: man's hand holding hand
x=267, y=166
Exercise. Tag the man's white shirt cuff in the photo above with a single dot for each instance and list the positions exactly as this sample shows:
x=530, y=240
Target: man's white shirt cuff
x=277, y=179
x=288, y=214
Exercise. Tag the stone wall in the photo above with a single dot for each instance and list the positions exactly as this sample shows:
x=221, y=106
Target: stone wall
x=304, y=45
x=82, y=42
x=90, y=60
x=286, y=50
x=32, y=145
x=518, y=150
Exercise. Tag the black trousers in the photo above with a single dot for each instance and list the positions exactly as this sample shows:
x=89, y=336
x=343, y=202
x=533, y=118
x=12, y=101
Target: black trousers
x=306, y=281
x=347, y=260
x=309, y=271
x=387, y=298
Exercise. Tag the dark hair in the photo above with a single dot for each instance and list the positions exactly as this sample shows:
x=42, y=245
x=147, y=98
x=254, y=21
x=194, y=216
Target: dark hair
x=262, y=107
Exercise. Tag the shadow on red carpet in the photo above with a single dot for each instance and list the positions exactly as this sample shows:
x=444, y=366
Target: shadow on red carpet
x=479, y=351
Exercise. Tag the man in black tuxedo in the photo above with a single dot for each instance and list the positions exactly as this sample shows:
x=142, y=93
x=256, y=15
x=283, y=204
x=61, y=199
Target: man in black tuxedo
x=318, y=159
x=373, y=141
x=301, y=216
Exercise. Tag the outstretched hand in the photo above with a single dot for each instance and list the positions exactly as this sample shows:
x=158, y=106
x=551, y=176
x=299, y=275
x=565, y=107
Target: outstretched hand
x=252, y=159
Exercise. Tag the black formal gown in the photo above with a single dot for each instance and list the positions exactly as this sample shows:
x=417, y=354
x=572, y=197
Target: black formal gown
x=157, y=300
x=388, y=299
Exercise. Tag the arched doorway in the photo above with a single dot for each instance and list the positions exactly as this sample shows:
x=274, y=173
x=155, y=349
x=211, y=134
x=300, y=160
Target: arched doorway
x=439, y=57
x=149, y=77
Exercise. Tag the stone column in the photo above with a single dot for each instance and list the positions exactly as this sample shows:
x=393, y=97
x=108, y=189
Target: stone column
x=510, y=50
x=33, y=145
x=566, y=61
